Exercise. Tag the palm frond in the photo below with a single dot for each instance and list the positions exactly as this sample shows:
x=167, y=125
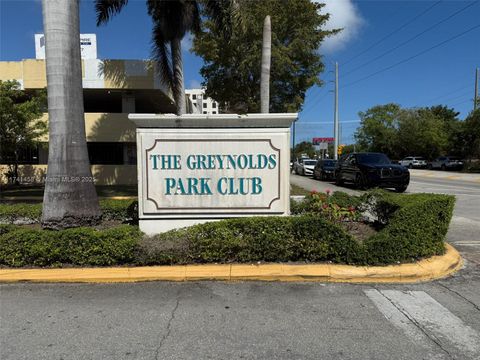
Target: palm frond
x=105, y=9
x=161, y=55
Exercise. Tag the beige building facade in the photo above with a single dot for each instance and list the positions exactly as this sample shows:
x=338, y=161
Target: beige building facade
x=112, y=90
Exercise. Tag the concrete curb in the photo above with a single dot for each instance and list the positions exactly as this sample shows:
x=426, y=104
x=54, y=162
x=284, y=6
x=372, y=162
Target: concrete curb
x=40, y=198
x=429, y=269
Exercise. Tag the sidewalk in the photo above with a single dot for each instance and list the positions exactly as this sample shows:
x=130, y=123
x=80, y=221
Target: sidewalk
x=446, y=175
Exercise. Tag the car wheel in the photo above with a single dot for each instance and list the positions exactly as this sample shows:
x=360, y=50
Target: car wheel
x=410, y=166
x=303, y=172
x=443, y=167
x=338, y=180
x=322, y=176
x=401, y=189
x=360, y=182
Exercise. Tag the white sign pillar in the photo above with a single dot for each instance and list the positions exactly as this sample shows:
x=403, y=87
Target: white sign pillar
x=198, y=168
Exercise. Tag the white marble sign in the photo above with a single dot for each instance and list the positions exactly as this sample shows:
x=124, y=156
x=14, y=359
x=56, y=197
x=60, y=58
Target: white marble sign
x=191, y=175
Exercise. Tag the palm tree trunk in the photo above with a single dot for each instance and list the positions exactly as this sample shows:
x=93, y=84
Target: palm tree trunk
x=70, y=198
x=178, y=83
x=266, y=61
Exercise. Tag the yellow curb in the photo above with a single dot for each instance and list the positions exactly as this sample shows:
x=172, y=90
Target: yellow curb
x=429, y=269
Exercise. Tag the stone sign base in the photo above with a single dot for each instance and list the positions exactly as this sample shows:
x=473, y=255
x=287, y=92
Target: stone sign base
x=198, y=168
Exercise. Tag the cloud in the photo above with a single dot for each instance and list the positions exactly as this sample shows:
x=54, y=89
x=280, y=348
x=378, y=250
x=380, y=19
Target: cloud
x=343, y=14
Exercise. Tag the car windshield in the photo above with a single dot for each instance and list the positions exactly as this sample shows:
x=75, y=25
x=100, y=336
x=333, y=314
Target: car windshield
x=420, y=159
x=329, y=162
x=373, y=158
x=310, y=162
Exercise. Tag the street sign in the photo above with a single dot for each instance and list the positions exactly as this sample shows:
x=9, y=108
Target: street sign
x=319, y=140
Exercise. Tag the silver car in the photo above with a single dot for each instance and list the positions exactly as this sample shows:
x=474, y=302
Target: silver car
x=414, y=162
x=305, y=167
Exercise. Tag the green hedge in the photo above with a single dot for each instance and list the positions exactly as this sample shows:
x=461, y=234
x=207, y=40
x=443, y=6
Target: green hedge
x=410, y=227
x=270, y=239
x=119, y=210
x=414, y=226
x=79, y=246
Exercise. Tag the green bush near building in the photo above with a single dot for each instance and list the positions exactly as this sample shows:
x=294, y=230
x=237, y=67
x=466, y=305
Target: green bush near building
x=409, y=227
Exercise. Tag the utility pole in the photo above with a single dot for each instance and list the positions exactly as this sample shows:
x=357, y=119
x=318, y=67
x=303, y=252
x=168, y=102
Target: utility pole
x=475, y=98
x=293, y=148
x=335, y=123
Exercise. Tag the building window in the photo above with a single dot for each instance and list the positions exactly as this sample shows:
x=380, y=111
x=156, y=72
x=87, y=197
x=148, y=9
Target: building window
x=105, y=153
x=214, y=105
x=204, y=105
x=194, y=97
x=204, y=112
x=214, y=112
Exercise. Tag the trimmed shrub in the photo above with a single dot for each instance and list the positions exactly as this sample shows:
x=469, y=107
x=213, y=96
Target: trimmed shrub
x=79, y=246
x=120, y=210
x=416, y=227
x=302, y=238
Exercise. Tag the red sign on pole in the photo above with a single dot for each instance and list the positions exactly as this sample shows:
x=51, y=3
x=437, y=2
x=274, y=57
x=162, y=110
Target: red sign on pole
x=318, y=140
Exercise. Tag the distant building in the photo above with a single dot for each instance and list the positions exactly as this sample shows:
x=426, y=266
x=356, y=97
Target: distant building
x=201, y=104
x=112, y=90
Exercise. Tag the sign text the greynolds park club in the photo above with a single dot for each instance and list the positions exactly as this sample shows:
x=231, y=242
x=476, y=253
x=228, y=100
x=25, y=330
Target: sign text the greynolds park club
x=208, y=165
x=196, y=168
x=211, y=172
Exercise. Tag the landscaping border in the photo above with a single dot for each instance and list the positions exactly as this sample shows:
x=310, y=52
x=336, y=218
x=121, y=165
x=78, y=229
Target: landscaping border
x=432, y=268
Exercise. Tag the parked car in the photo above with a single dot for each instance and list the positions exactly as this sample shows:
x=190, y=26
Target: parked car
x=324, y=169
x=370, y=170
x=414, y=162
x=305, y=167
x=446, y=163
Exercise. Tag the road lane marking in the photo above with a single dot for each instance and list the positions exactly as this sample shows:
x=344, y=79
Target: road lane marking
x=402, y=322
x=436, y=320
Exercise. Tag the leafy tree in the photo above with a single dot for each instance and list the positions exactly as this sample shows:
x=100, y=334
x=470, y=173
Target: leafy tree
x=305, y=147
x=471, y=135
x=172, y=19
x=420, y=132
x=20, y=124
x=232, y=63
x=452, y=127
x=378, y=129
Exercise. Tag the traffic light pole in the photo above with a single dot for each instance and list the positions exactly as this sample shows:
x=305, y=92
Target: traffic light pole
x=335, y=127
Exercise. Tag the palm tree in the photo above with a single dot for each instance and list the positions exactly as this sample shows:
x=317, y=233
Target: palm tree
x=172, y=19
x=70, y=198
x=266, y=62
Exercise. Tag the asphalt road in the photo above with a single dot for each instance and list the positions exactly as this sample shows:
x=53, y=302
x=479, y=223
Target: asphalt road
x=254, y=320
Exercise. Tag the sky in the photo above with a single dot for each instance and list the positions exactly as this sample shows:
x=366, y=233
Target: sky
x=414, y=53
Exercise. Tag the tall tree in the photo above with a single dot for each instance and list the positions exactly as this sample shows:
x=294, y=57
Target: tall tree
x=20, y=124
x=421, y=132
x=172, y=20
x=471, y=135
x=232, y=64
x=378, y=129
x=70, y=198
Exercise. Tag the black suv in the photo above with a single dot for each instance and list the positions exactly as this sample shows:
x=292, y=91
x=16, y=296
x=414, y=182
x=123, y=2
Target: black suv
x=324, y=169
x=371, y=170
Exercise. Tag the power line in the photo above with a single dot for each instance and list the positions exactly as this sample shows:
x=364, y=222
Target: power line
x=413, y=56
x=393, y=32
x=410, y=39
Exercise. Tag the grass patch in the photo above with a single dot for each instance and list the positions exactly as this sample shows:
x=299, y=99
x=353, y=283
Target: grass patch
x=298, y=191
